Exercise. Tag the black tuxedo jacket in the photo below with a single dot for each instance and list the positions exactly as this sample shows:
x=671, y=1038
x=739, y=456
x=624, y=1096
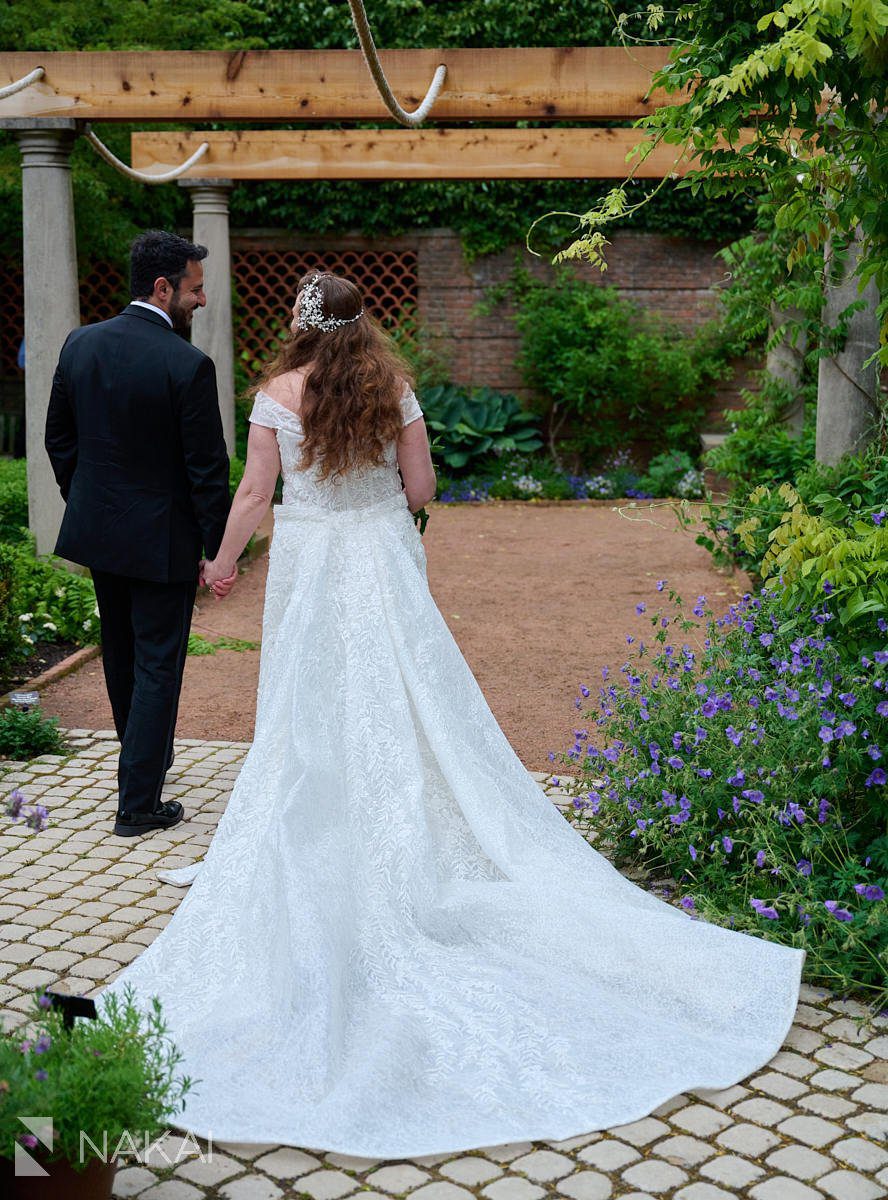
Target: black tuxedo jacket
x=135, y=438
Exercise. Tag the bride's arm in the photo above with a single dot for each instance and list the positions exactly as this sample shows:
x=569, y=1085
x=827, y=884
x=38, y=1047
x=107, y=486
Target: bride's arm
x=415, y=465
x=250, y=503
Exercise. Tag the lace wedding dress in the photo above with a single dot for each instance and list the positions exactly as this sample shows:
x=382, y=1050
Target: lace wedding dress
x=396, y=945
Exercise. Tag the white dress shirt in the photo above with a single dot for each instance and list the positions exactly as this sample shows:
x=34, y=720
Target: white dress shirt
x=154, y=308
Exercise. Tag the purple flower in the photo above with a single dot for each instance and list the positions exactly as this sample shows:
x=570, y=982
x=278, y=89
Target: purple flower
x=692, y=852
x=760, y=858
x=42, y=1044
x=845, y=729
x=803, y=866
x=825, y=734
x=41, y=1076
x=733, y=735
x=840, y=914
x=876, y=778
x=640, y=607
x=869, y=891
x=881, y=657
x=728, y=845
x=828, y=587
x=879, y=517
x=766, y=639
x=698, y=607
x=687, y=902
x=848, y=699
x=754, y=795
x=763, y=909
x=709, y=709
x=661, y=583
x=675, y=762
x=44, y=1001
x=584, y=691
x=14, y=804
x=882, y=708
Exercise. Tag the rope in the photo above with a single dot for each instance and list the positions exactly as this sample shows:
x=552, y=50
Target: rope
x=21, y=84
x=371, y=58
x=143, y=176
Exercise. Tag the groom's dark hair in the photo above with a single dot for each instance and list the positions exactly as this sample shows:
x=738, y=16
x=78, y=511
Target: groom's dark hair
x=158, y=253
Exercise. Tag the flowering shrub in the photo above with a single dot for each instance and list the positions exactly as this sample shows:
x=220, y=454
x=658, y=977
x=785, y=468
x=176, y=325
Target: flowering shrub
x=526, y=477
x=55, y=605
x=113, y=1078
x=753, y=770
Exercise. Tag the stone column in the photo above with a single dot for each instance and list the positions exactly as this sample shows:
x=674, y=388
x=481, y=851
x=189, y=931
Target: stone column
x=847, y=391
x=52, y=302
x=212, y=330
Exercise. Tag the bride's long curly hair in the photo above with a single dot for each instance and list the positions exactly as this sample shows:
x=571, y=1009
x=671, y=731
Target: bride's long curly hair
x=351, y=403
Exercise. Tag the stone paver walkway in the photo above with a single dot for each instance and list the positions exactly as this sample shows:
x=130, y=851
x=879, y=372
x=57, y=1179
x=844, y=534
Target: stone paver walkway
x=77, y=903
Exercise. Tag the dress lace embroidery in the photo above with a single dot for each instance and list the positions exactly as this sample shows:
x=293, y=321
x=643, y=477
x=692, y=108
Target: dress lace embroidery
x=396, y=945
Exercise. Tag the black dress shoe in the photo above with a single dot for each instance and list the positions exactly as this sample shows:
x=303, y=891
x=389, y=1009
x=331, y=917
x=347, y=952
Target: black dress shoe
x=165, y=816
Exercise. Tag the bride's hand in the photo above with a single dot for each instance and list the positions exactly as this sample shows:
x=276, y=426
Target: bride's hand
x=220, y=577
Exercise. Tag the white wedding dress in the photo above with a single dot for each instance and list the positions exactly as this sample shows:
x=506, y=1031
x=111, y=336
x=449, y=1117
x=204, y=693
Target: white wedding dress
x=396, y=945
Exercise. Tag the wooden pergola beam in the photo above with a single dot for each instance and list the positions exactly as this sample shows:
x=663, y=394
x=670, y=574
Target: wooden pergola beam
x=572, y=83
x=405, y=154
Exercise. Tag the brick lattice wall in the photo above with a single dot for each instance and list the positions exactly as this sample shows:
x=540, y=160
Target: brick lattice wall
x=426, y=273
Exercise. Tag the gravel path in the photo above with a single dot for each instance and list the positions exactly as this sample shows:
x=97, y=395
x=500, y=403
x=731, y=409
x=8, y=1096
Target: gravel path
x=539, y=597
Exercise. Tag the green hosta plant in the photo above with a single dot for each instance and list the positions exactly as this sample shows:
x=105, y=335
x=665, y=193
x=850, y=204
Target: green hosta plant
x=471, y=425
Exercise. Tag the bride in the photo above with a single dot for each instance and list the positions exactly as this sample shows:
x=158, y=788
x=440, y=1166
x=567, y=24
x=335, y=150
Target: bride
x=396, y=945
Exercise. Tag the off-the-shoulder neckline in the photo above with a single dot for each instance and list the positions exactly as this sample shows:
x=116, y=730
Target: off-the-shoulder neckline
x=261, y=392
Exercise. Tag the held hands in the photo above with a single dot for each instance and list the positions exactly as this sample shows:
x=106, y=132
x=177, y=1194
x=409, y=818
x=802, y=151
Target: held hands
x=216, y=576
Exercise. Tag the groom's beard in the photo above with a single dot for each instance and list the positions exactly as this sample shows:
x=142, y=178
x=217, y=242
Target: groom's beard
x=180, y=316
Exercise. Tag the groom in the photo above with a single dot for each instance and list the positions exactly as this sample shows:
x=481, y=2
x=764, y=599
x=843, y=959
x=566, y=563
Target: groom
x=134, y=434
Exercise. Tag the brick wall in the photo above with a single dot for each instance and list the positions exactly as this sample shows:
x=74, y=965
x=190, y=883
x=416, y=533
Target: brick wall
x=676, y=277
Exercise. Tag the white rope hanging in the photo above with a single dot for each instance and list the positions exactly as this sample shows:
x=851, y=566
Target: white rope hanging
x=21, y=84
x=371, y=58
x=143, y=176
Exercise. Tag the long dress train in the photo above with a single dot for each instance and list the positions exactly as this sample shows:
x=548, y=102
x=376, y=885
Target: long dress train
x=396, y=945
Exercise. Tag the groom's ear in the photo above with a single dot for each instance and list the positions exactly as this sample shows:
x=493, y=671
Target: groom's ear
x=163, y=289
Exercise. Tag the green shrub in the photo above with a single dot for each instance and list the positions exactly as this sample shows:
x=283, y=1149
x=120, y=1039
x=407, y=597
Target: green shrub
x=469, y=426
x=111, y=1079
x=13, y=500
x=673, y=474
x=25, y=735
x=609, y=372
x=54, y=604
x=759, y=449
x=750, y=770
x=835, y=552
x=11, y=647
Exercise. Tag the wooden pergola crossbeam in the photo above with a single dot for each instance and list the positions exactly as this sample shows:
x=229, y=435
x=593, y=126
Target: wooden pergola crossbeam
x=583, y=153
x=571, y=83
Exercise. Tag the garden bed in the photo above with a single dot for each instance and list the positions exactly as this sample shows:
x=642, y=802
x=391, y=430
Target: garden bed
x=43, y=656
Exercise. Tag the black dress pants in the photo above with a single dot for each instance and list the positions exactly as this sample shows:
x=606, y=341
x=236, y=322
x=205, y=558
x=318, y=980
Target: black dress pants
x=145, y=629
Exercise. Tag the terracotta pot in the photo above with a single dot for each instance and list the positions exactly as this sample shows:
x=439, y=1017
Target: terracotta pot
x=62, y=1182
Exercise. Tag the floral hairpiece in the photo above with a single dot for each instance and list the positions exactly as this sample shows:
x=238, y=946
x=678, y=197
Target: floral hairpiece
x=311, y=310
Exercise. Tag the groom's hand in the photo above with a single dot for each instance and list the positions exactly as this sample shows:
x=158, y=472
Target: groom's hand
x=222, y=587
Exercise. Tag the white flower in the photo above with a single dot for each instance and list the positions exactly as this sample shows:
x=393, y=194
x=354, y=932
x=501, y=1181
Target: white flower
x=690, y=484
x=49, y=625
x=59, y=593
x=87, y=624
x=528, y=485
x=26, y=617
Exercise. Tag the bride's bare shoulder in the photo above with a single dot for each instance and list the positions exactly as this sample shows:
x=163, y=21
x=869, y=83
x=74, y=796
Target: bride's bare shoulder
x=286, y=388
